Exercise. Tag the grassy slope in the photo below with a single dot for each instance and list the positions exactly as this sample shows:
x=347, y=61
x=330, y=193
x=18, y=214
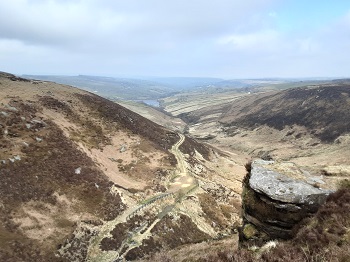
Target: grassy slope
x=32, y=188
x=45, y=172
x=324, y=110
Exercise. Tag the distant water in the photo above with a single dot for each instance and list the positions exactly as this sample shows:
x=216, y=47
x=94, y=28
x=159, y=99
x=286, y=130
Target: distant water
x=154, y=103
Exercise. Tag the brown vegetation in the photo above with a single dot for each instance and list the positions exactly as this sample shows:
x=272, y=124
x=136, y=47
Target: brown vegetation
x=46, y=167
x=323, y=110
x=49, y=166
x=323, y=237
x=51, y=137
x=162, y=138
x=214, y=212
x=164, y=239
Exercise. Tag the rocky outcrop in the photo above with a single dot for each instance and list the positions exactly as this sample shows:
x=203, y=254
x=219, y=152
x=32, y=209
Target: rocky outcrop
x=276, y=197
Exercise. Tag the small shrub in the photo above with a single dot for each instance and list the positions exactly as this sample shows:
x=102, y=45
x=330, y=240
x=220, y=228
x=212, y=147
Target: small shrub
x=344, y=184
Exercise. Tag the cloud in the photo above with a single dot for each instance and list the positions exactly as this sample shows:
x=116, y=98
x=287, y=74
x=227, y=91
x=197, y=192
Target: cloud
x=228, y=38
x=264, y=40
x=72, y=22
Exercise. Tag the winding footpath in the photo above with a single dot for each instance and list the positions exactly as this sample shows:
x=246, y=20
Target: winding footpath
x=181, y=185
x=182, y=180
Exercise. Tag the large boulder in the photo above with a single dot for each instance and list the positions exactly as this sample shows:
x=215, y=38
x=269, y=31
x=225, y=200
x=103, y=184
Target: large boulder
x=276, y=197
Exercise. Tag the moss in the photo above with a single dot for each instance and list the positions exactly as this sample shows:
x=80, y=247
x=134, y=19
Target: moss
x=249, y=231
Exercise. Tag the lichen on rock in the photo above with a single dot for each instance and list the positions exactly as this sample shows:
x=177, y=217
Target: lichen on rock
x=276, y=197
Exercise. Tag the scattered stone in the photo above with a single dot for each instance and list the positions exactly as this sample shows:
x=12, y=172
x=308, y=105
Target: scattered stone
x=344, y=139
x=23, y=118
x=12, y=160
x=97, y=186
x=122, y=149
x=26, y=144
x=38, y=139
x=38, y=122
x=4, y=114
x=28, y=126
x=18, y=158
x=11, y=108
x=77, y=170
x=3, y=161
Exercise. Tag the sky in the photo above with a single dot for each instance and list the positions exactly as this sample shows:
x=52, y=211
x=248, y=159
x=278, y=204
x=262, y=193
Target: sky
x=195, y=38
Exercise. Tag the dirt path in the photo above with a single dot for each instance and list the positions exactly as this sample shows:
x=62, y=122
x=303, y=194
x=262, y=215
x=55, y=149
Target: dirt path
x=183, y=179
x=179, y=187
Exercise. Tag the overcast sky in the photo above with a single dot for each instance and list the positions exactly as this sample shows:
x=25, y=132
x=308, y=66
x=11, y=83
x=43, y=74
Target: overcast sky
x=221, y=38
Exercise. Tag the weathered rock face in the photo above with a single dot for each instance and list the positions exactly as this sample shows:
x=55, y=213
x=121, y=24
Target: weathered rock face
x=277, y=196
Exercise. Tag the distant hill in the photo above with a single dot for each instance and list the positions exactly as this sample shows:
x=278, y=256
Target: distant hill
x=133, y=88
x=186, y=83
x=113, y=88
x=323, y=109
x=153, y=88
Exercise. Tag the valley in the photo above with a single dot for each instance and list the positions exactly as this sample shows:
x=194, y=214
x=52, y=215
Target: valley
x=179, y=187
x=221, y=119
x=84, y=178
x=103, y=182
x=174, y=131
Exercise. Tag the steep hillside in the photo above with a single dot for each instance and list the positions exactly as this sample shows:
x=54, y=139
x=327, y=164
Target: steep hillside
x=155, y=115
x=83, y=178
x=323, y=110
x=308, y=125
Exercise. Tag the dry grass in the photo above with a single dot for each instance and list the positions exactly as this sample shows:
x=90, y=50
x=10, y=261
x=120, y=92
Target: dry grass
x=322, y=238
x=169, y=233
x=216, y=215
x=196, y=252
x=45, y=169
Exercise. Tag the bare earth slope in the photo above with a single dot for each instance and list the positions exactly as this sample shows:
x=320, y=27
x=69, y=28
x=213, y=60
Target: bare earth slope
x=83, y=178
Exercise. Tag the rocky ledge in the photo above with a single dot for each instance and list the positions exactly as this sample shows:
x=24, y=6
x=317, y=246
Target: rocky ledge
x=276, y=197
